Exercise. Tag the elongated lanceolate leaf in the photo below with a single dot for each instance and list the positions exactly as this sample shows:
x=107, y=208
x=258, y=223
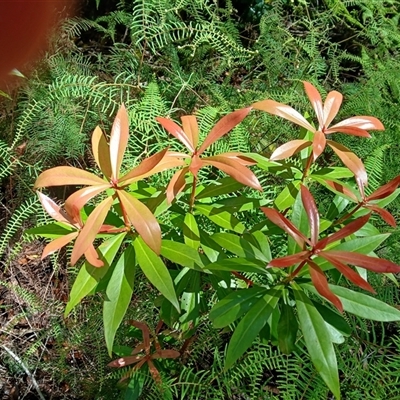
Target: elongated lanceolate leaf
x=289, y=149
x=58, y=243
x=351, y=161
x=332, y=105
x=191, y=128
x=191, y=231
x=90, y=230
x=181, y=254
x=142, y=219
x=316, y=102
x=357, y=126
x=283, y=223
x=89, y=276
x=144, y=169
x=118, y=141
x=176, y=131
x=60, y=176
x=79, y=198
x=118, y=295
x=250, y=326
x=155, y=271
x=284, y=111
x=233, y=306
x=233, y=168
x=318, y=341
x=223, y=126
x=176, y=184
x=239, y=265
x=221, y=217
x=321, y=284
x=50, y=231
x=54, y=210
x=287, y=329
x=365, y=306
x=220, y=186
x=312, y=213
x=101, y=152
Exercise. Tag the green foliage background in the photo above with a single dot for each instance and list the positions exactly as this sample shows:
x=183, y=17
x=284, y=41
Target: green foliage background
x=175, y=57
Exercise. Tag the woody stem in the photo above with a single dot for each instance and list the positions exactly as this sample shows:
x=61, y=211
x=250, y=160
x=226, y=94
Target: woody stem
x=307, y=167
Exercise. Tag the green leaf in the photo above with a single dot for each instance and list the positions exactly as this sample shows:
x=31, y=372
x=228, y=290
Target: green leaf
x=238, y=264
x=181, y=254
x=155, y=271
x=287, y=197
x=119, y=293
x=210, y=248
x=333, y=318
x=318, y=342
x=287, y=329
x=332, y=173
x=237, y=245
x=363, y=245
x=191, y=233
x=233, y=306
x=263, y=162
x=50, y=231
x=221, y=217
x=300, y=220
x=251, y=324
x=365, y=306
x=220, y=187
x=258, y=239
x=89, y=276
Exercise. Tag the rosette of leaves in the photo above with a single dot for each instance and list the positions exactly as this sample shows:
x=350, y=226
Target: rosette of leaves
x=325, y=112
x=108, y=157
x=234, y=164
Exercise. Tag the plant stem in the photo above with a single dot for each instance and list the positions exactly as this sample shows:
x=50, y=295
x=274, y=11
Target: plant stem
x=192, y=195
x=306, y=169
x=348, y=215
x=295, y=272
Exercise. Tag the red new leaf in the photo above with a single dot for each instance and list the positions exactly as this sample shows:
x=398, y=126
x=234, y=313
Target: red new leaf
x=176, y=184
x=289, y=149
x=290, y=260
x=223, y=126
x=101, y=152
x=321, y=284
x=312, y=213
x=176, y=131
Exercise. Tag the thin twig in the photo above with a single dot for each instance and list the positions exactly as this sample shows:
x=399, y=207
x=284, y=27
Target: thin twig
x=25, y=368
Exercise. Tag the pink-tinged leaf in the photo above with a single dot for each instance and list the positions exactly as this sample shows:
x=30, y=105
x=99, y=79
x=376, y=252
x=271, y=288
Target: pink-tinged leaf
x=351, y=161
x=60, y=176
x=331, y=106
x=176, y=131
x=154, y=372
x=283, y=223
x=386, y=216
x=239, y=157
x=142, y=219
x=347, y=230
x=312, y=213
x=90, y=229
x=349, y=273
x=385, y=190
x=118, y=141
x=284, y=111
x=58, y=243
x=101, y=152
x=318, y=144
x=342, y=190
x=191, y=128
x=321, y=284
x=361, y=122
x=92, y=257
x=144, y=169
x=79, y=198
x=124, y=361
x=235, y=169
x=288, y=261
x=316, y=102
x=223, y=126
x=54, y=210
x=379, y=265
x=176, y=184
x=169, y=161
x=290, y=148
x=349, y=131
